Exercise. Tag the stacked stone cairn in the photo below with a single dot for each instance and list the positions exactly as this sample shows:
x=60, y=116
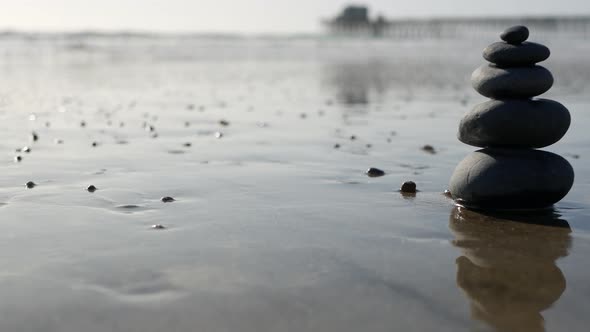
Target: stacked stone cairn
x=509, y=173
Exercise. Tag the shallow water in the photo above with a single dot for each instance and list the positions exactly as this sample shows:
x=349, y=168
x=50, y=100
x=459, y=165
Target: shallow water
x=273, y=228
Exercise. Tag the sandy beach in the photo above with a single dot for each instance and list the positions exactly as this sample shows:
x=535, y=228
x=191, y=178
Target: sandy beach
x=263, y=143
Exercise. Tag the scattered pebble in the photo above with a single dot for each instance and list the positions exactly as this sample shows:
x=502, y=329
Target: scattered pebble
x=428, y=148
x=303, y=115
x=150, y=128
x=94, y=144
x=158, y=226
x=30, y=185
x=26, y=149
x=369, y=146
x=218, y=134
x=82, y=123
x=154, y=135
x=374, y=172
x=187, y=144
x=408, y=187
x=58, y=141
x=18, y=159
x=91, y=188
x=224, y=123
x=336, y=146
x=187, y=124
x=167, y=199
x=353, y=137
x=34, y=137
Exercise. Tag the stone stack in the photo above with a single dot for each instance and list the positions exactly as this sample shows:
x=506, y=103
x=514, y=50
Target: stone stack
x=509, y=173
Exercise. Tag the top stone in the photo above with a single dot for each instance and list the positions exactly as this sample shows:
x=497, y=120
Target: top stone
x=515, y=35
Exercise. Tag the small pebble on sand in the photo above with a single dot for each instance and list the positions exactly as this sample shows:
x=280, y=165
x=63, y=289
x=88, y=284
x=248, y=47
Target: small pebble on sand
x=158, y=226
x=30, y=185
x=336, y=146
x=374, y=172
x=58, y=141
x=26, y=149
x=408, y=187
x=167, y=199
x=218, y=134
x=91, y=188
x=187, y=145
x=18, y=159
x=34, y=136
x=224, y=123
x=94, y=144
x=82, y=124
x=428, y=148
x=352, y=137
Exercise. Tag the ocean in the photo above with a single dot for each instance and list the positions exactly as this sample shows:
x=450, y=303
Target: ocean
x=263, y=142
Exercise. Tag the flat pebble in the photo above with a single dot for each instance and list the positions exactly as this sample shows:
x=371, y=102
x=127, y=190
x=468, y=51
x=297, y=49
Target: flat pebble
x=515, y=35
x=167, y=199
x=507, y=55
x=91, y=188
x=30, y=184
x=515, y=123
x=517, y=82
x=496, y=178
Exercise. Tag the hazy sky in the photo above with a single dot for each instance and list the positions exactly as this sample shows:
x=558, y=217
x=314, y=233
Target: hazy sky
x=247, y=16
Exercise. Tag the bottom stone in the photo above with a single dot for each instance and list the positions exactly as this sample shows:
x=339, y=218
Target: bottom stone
x=511, y=179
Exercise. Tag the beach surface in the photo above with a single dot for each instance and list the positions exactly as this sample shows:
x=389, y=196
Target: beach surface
x=263, y=143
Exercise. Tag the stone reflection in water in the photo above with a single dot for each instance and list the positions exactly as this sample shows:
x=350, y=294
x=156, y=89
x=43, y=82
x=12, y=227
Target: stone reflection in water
x=508, y=268
x=355, y=82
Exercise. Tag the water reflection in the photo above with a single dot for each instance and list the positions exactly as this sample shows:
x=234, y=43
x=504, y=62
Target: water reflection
x=355, y=82
x=508, y=268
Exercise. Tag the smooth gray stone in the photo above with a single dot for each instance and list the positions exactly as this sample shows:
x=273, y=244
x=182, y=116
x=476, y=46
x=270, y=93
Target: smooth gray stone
x=515, y=35
x=515, y=123
x=491, y=179
x=517, y=82
x=507, y=55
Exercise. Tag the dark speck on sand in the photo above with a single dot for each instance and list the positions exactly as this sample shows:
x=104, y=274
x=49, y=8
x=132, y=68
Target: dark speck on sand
x=91, y=188
x=428, y=148
x=167, y=199
x=30, y=185
x=374, y=172
x=408, y=187
x=158, y=226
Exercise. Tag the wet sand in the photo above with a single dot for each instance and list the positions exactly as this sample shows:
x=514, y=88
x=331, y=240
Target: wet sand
x=263, y=145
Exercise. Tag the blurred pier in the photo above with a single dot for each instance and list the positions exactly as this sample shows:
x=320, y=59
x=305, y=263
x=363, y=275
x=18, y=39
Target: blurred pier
x=356, y=21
